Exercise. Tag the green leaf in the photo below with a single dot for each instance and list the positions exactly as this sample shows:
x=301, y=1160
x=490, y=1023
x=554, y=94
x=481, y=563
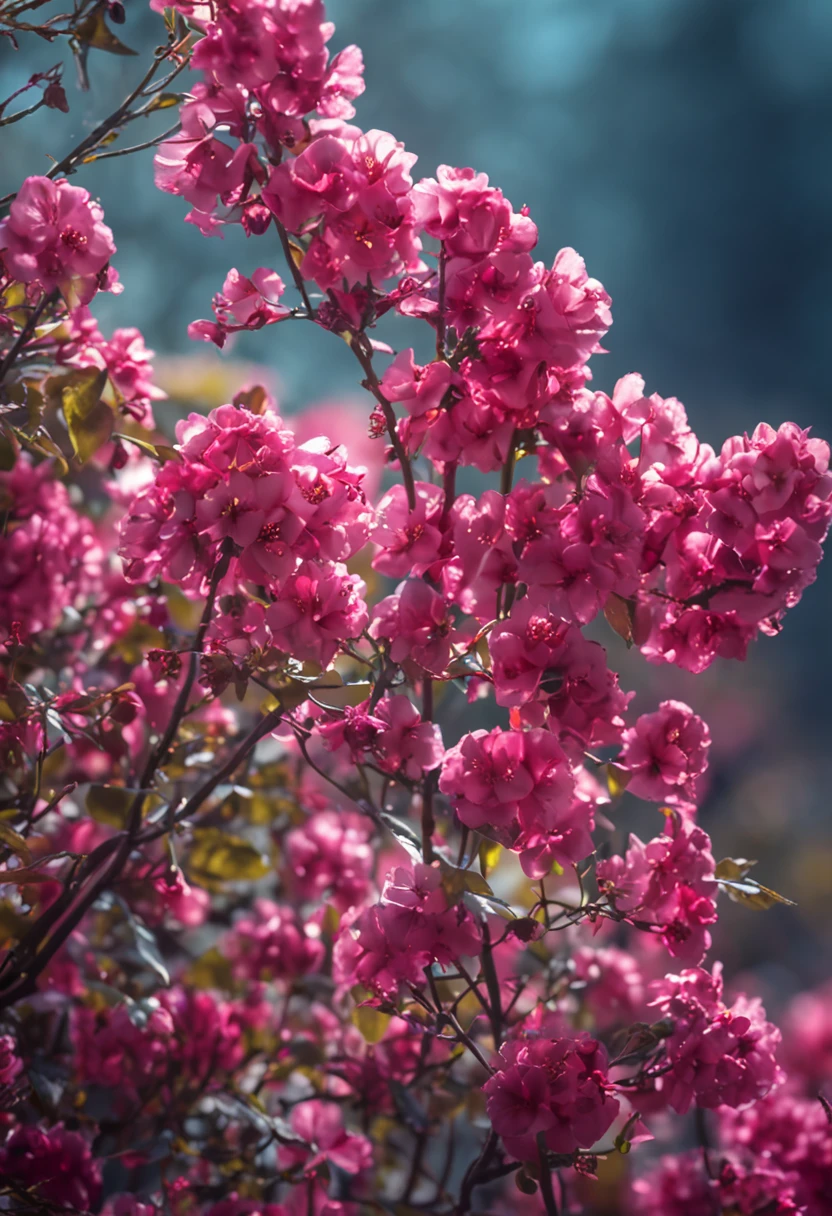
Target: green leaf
x=158, y=451
x=732, y=875
x=405, y=835
x=219, y=855
x=110, y=804
x=44, y=445
x=144, y=945
x=89, y=420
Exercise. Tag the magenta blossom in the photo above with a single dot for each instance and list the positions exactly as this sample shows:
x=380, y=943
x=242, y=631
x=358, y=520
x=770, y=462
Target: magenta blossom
x=665, y=753
x=551, y=1082
x=718, y=1056
x=55, y=236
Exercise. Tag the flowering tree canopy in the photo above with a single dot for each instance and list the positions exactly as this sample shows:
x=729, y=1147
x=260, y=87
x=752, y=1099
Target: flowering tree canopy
x=288, y=924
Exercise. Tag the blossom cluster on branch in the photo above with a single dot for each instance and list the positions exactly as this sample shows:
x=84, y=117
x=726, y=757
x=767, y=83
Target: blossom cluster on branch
x=315, y=898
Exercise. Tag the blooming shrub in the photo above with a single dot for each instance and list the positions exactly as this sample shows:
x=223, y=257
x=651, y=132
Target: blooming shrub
x=305, y=833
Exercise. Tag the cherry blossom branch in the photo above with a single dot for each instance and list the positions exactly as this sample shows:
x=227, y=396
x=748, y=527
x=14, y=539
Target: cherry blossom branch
x=545, y=1174
x=429, y=779
x=69, y=163
x=46, y=301
x=363, y=352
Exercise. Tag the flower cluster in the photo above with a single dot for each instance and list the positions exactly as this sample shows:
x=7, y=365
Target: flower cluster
x=667, y=883
x=718, y=1056
x=244, y=506
x=414, y=924
x=50, y=556
x=315, y=776
x=518, y=787
x=55, y=238
x=680, y=1187
x=551, y=1084
x=266, y=67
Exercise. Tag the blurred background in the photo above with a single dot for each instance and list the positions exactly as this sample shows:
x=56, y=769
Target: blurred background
x=683, y=147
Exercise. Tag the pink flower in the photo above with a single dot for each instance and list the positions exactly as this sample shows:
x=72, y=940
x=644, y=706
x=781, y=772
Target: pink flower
x=593, y=550
x=409, y=541
x=787, y=1133
x=11, y=1066
x=340, y=517
x=233, y=481
x=807, y=1035
x=243, y=304
x=50, y=558
x=56, y=1164
x=207, y=1027
x=317, y=608
x=360, y=186
x=551, y=1081
x=612, y=990
x=519, y=785
x=321, y=1124
x=331, y=853
x=390, y=943
x=546, y=665
x=394, y=735
x=665, y=752
x=186, y=904
x=280, y=51
x=473, y=219
x=127, y=1205
x=270, y=944
x=669, y=883
x=123, y=1053
x=718, y=1056
x=418, y=625
x=483, y=554
x=682, y=1186
x=202, y=168
x=55, y=236
x=125, y=356
x=421, y=390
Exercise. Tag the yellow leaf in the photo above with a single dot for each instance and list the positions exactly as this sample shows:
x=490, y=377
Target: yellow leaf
x=489, y=856
x=89, y=420
x=94, y=31
x=617, y=779
x=14, y=841
x=12, y=923
x=456, y=882
x=211, y=970
x=219, y=855
x=109, y=804
x=371, y=1022
x=164, y=101
x=732, y=875
x=160, y=452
